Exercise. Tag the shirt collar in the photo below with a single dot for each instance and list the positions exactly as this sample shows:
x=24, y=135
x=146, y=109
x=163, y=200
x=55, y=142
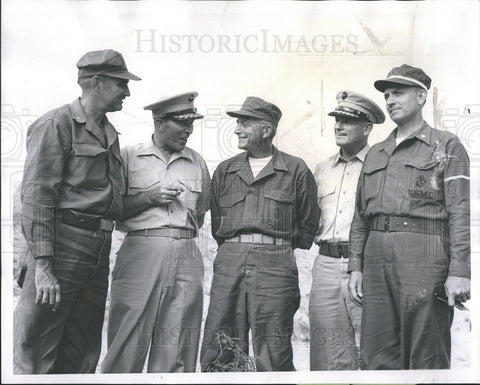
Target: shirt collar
x=278, y=163
x=360, y=155
x=151, y=149
x=424, y=134
x=78, y=114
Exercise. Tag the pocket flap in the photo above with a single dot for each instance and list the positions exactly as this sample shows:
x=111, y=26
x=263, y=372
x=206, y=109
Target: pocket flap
x=143, y=179
x=228, y=200
x=371, y=167
x=88, y=150
x=192, y=185
x=421, y=164
x=279, y=196
x=327, y=193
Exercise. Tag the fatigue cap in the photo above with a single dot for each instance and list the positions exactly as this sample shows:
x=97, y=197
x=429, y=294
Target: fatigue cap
x=404, y=75
x=356, y=106
x=257, y=108
x=106, y=62
x=177, y=107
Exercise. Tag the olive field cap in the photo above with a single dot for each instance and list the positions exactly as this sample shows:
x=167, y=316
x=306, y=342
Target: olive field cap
x=257, y=108
x=356, y=106
x=105, y=62
x=404, y=75
x=177, y=107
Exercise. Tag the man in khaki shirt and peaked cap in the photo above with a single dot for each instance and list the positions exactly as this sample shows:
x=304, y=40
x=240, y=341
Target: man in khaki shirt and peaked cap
x=334, y=318
x=157, y=295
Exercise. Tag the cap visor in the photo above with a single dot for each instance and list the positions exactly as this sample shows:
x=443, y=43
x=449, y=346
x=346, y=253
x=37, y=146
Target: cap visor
x=243, y=113
x=122, y=75
x=345, y=114
x=381, y=85
x=192, y=116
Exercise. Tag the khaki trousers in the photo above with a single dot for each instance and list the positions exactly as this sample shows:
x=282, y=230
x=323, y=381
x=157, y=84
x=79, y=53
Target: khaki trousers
x=156, y=306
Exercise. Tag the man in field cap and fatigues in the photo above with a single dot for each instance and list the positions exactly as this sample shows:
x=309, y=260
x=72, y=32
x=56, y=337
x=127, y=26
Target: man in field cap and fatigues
x=71, y=194
x=410, y=235
x=263, y=207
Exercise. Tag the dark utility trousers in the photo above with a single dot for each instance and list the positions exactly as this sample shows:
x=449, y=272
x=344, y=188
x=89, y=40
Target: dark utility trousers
x=403, y=325
x=69, y=339
x=254, y=286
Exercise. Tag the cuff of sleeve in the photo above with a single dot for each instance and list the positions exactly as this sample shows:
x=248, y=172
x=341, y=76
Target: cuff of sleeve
x=41, y=249
x=459, y=269
x=303, y=241
x=355, y=264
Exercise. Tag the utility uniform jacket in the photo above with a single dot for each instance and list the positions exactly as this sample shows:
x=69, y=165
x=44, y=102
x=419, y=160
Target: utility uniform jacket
x=426, y=176
x=280, y=202
x=71, y=164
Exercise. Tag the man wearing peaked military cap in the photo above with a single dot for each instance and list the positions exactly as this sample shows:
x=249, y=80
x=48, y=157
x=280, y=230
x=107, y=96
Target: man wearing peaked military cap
x=157, y=295
x=263, y=206
x=331, y=311
x=410, y=236
x=71, y=194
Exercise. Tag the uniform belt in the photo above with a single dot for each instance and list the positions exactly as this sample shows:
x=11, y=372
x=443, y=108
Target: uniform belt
x=334, y=250
x=258, y=238
x=168, y=232
x=86, y=221
x=408, y=224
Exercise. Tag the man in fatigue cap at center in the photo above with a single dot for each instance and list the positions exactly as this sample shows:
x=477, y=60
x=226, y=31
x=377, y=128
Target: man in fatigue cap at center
x=263, y=206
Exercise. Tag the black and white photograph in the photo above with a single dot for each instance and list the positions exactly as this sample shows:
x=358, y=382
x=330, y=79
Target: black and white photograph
x=240, y=191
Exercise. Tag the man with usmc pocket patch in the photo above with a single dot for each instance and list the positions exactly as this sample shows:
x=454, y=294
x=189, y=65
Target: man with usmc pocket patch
x=410, y=235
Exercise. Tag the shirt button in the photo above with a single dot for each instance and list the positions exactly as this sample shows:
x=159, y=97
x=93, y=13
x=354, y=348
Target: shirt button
x=348, y=173
x=405, y=223
x=336, y=232
x=339, y=211
x=344, y=192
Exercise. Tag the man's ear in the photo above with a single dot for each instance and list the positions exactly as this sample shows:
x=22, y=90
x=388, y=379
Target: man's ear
x=421, y=96
x=267, y=131
x=97, y=81
x=159, y=124
x=367, y=129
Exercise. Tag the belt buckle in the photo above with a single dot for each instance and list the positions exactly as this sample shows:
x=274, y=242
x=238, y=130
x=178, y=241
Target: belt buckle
x=257, y=238
x=340, y=250
x=387, y=224
x=106, y=225
x=175, y=233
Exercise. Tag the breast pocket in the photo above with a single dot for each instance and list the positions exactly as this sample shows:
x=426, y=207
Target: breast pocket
x=89, y=166
x=142, y=180
x=192, y=190
x=325, y=194
x=374, y=178
x=231, y=207
x=424, y=180
x=279, y=209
